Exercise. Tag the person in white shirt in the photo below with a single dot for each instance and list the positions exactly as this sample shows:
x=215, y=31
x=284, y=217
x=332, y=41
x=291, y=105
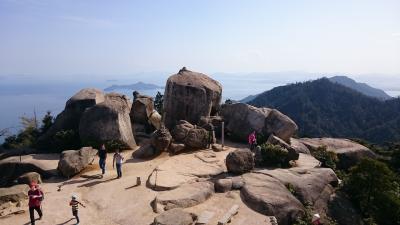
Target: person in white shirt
x=117, y=161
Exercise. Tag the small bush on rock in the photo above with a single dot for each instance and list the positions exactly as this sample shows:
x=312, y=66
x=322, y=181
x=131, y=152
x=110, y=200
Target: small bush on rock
x=327, y=158
x=274, y=155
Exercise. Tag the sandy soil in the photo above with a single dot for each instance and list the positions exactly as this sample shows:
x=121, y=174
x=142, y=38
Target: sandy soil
x=112, y=201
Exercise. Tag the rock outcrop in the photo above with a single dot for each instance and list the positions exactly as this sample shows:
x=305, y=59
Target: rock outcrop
x=292, y=153
x=161, y=139
x=175, y=217
x=186, y=168
x=348, y=152
x=187, y=195
x=74, y=161
x=12, y=168
x=223, y=185
x=191, y=135
x=240, y=161
x=270, y=197
x=108, y=121
x=70, y=117
x=242, y=119
x=144, y=117
x=308, y=183
x=189, y=96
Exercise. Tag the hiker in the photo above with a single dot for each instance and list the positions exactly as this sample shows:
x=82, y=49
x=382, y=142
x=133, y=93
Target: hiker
x=35, y=197
x=316, y=219
x=252, y=140
x=74, y=206
x=117, y=159
x=210, y=136
x=103, y=157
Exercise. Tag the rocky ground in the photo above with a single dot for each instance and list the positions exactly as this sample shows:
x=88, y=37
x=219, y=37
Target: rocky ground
x=118, y=201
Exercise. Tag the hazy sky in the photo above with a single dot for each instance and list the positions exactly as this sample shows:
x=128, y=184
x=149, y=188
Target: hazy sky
x=58, y=37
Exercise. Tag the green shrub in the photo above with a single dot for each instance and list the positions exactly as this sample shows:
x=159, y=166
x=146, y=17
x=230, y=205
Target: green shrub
x=26, y=138
x=327, y=158
x=375, y=189
x=66, y=139
x=307, y=217
x=274, y=155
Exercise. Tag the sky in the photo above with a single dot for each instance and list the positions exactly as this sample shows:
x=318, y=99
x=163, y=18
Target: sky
x=93, y=37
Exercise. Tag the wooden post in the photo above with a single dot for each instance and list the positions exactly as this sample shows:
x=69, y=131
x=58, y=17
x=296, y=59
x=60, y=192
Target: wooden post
x=223, y=135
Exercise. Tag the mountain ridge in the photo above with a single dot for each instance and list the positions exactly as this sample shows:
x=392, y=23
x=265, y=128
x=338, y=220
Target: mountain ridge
x=324, y=108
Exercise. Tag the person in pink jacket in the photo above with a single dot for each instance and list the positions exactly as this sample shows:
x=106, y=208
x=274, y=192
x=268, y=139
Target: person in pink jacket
x=252, y=140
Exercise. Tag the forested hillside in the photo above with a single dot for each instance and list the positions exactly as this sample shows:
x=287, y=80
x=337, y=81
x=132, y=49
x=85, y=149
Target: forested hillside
x=323, y=108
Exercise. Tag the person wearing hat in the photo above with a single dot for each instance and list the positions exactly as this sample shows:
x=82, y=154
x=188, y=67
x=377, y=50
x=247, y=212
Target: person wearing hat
x=316, y=219
x=74, y=203
x=35, y=197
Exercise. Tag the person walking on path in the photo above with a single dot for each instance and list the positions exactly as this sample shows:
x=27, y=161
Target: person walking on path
x=74, y=203
x=35, y=197
x=252, y=140
x=117, y=159
x=102, y=158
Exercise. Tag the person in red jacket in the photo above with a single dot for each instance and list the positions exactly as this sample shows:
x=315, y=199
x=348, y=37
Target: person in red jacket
x=35, y=197
x=252, y=140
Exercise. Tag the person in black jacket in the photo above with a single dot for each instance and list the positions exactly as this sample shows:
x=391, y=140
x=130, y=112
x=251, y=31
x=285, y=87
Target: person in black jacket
x=103, y=157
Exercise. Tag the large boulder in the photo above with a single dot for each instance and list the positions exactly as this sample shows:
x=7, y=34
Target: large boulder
x=270, y=197
x=12, y=168
x=143, y=115
x=241, y=119
x=108, y=121
x=161, y=139
x=308, y=183
x=214, y=121
x=190, y=95
x=70, y=117
x=74, y=161
x=187, y=195
x=348, y=152
x=298, y=146
x=175, y=217
x=240, y=161
x=191, y=135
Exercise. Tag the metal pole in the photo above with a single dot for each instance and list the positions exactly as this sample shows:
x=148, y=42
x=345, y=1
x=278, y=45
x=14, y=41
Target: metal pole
x=222, y=135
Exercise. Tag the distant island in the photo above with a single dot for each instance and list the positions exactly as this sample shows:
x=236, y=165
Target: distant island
x=135, y=86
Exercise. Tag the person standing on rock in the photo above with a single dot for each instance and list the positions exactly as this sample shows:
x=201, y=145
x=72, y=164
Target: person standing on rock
x=118, y=159
x=252, y=140
x=74, y=203
x=35, y=198
x=102, y=160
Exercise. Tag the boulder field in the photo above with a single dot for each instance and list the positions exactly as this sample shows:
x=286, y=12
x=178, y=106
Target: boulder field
x=186, y=176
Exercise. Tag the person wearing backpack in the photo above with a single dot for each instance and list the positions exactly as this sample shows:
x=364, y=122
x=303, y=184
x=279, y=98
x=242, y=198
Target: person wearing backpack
x=35, y=199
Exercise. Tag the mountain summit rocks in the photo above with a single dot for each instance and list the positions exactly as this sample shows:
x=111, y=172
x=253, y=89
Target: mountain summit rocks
x=190, y=95
x=242, y=119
